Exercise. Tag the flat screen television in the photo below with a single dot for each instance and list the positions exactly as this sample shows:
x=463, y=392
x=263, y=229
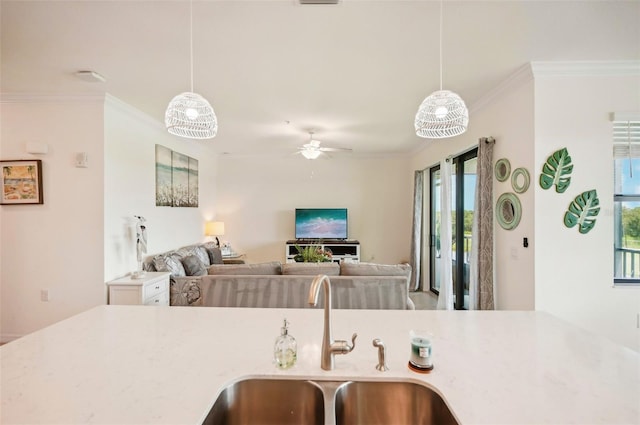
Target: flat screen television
x=321, y=223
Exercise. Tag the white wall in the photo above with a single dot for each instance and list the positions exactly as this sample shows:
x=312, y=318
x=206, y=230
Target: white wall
x=508, y=118
x=56, y=246
x=257, y=197
x=574, y=272
x=129, y=188
x=80, y=237
x=506, y=114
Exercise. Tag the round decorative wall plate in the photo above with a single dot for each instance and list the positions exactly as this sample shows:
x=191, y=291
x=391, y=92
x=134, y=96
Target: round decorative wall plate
x=508, y=211
x=502, y=169
x=520, y=180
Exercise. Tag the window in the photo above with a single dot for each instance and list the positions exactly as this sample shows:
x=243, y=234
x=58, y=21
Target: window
x=626, y=200
x=463, y=186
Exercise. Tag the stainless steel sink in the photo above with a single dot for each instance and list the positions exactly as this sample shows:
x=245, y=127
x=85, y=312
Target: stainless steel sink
x=390, y=403
x=268, y=401
x=295, y=401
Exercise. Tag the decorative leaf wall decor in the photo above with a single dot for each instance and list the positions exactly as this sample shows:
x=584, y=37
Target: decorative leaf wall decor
x=583, y=211
x=557, y=171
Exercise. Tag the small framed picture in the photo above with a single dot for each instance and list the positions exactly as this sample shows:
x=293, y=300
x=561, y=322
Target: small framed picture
x=21, y=182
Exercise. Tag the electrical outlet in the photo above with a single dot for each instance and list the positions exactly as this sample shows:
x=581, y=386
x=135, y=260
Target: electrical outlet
x=44, y=295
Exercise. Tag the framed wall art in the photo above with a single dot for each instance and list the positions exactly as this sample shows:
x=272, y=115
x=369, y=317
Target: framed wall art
x=176, y=179
x=21, y=182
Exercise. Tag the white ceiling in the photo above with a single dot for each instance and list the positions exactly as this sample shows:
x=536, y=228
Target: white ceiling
x=273, y=69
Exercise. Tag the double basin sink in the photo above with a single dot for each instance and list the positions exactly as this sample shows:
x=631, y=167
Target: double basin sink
x=294, y=401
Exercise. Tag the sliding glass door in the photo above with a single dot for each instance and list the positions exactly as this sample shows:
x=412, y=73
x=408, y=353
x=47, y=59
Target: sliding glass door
x=463, y=185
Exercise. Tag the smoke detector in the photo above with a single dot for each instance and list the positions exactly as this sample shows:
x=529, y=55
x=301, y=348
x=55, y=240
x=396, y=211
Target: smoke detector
x=90, y=76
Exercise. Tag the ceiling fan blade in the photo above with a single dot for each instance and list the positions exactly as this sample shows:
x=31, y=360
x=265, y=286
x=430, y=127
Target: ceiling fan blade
x=336, y=150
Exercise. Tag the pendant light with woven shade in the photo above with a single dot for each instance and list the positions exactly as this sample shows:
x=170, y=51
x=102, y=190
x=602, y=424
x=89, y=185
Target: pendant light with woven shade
x=443, y=113
x=190, y=115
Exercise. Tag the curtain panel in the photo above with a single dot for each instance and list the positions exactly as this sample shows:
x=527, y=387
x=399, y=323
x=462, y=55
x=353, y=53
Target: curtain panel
x=481, y=290
x=416, y=231
x=445, y=297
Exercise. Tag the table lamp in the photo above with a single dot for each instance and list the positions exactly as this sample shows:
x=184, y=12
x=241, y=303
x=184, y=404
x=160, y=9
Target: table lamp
x=214, y=228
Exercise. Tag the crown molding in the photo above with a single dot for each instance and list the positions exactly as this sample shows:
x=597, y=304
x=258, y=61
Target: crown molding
x=518, y=78
x=51, y=97
x=585, y=68
x=133, y=111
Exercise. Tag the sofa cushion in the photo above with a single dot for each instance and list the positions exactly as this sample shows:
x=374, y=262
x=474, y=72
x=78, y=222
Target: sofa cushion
x=215, y=255
x=185, y=251
x=203, y=255
x=169, y=262
x=197, y=250
x=193, y=266
x=371, y=269
x=328, y=268
x=270, y=268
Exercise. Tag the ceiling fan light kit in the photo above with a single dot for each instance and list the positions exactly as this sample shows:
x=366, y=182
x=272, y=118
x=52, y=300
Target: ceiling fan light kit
x=190, y=115
x=443, y=113
x=313, y=150
x=310, y=153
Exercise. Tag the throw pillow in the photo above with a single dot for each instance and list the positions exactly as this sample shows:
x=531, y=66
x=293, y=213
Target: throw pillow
x=193, y=266
x=198, y=250
x=270, y=268
x=313, y=269
x=169, y=262
x=203, y=255
x=215, y=255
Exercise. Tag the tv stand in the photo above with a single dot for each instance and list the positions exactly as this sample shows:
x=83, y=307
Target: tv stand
x=347, y=250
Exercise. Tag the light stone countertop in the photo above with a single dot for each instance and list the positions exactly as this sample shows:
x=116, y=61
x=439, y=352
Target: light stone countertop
x=166, y=365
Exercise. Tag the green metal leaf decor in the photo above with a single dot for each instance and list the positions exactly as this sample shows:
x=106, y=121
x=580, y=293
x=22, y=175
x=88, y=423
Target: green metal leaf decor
x=583, y=211
x=557, y=171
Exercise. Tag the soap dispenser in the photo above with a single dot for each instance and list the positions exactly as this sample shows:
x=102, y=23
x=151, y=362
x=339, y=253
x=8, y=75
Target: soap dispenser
x=285, y=350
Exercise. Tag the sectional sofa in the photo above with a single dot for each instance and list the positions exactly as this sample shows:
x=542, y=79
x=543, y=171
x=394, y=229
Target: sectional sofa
x=198, y=278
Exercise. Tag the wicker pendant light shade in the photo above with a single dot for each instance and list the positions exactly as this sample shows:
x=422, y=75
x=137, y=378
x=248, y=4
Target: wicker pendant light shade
x=442, y=114
x=190, y=115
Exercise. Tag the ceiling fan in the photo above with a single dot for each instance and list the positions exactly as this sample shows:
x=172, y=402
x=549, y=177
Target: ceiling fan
x=313, y=150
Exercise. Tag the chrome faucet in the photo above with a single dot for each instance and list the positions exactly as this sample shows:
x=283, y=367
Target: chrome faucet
x=329, y=346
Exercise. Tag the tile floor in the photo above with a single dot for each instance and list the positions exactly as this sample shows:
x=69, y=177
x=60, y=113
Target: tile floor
x=424, y=300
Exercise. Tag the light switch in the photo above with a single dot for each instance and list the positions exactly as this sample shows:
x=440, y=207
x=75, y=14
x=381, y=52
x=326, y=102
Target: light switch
x=82, y=161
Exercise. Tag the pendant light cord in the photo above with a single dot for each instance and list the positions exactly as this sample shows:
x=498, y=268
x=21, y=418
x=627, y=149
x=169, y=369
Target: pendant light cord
x=441, y=45
x=191, y=40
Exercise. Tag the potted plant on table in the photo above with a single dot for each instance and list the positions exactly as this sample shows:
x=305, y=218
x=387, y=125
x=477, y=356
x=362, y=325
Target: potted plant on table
x=312, y=254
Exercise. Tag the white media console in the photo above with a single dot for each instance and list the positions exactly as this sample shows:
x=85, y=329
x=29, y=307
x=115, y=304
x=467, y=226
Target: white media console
x=347, y=250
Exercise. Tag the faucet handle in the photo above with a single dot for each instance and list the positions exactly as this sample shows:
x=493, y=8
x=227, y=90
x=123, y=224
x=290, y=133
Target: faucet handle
x=342, y=347
x=353, y=342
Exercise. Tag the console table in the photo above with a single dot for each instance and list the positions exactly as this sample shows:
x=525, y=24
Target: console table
x=347, y=250
x=233, y=258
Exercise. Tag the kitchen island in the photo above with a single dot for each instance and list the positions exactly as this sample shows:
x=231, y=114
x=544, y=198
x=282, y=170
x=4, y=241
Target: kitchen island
x=166, y=365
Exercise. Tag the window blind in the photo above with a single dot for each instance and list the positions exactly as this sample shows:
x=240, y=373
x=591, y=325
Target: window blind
x=626, y=137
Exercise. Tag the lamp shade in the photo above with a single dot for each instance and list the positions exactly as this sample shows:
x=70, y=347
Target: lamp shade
x=190, y=115
x=214, y=228
x=442, y=114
